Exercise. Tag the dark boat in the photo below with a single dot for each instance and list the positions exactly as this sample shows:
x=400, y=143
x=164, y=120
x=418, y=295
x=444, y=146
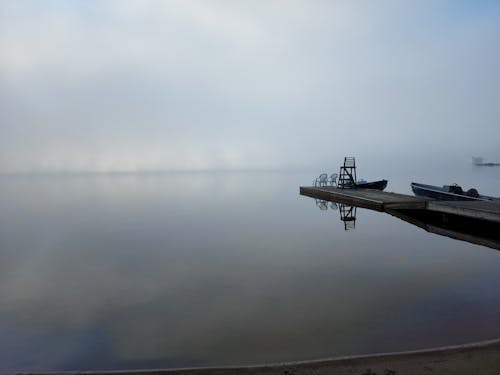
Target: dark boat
x=377, y=185
x=449, y=193
x=348, y=180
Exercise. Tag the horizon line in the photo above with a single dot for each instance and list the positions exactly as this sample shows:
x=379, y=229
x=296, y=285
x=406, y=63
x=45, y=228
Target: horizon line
x=150, y=171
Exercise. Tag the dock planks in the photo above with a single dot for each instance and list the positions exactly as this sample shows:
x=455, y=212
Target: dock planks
x=366, y=198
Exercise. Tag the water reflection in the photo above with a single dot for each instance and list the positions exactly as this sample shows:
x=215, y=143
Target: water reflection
x=324, y=205
x=474, y=231
x=348, y=216
x=175, y=270
x=480, y=232
x=347, y=213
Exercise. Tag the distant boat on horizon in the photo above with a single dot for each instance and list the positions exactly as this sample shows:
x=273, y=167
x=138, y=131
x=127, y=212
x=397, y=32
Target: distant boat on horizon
x=480, y=162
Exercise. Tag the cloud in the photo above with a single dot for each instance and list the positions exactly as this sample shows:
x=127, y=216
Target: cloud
x=235, y=85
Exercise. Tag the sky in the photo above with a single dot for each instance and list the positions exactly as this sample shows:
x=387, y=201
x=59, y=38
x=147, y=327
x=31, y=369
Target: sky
x=107, y=86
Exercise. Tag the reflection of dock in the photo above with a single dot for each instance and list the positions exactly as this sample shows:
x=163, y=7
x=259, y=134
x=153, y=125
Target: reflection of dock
x=483, y=233
x=383, y=201
x=477, y=222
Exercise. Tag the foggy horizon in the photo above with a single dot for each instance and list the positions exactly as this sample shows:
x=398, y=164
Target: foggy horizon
x=115, y=86
x=162, y=203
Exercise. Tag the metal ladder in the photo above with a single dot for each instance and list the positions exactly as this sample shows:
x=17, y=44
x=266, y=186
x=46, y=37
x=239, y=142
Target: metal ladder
x=347, y=175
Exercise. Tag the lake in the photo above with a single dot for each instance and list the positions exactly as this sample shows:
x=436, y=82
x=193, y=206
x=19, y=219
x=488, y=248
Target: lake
x=157, y=270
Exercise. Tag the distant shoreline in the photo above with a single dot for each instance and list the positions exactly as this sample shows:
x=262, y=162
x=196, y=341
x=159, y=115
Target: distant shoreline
x=474, y=358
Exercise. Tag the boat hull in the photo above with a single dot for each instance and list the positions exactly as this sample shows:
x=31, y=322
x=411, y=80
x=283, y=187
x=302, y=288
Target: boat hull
x=377, y=185
x=440, y=193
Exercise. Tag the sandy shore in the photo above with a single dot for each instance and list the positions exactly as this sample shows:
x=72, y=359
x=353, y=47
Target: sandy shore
x=471, y=359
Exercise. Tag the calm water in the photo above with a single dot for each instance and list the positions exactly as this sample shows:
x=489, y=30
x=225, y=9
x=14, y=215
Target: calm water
x=173, y=270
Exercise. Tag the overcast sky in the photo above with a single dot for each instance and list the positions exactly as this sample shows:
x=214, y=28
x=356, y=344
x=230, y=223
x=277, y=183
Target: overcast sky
x=197, y=85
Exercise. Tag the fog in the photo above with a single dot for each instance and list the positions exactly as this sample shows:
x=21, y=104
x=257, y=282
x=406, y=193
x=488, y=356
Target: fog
x=203, y=85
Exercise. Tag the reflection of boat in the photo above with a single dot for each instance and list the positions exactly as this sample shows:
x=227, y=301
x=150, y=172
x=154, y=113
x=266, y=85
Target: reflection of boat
x=377, y=185
x=449, y=193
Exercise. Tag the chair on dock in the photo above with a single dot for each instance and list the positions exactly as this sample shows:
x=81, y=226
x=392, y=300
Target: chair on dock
x=322, y=180
x=333, y=179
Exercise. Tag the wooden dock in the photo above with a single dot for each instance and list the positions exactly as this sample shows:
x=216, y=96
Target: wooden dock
x=482, y=210
x=386, y=202
x=372, y=199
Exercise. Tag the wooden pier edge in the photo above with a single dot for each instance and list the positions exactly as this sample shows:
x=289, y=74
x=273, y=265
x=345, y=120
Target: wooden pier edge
x=341, y=197
x=384, y=201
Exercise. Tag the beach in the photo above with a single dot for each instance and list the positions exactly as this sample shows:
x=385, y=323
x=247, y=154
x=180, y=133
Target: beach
x=476, y=358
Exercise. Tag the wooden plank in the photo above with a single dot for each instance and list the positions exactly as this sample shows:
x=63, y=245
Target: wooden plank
x=474, y=209
x=409, y=205
x=366, y=198
x=340, y=196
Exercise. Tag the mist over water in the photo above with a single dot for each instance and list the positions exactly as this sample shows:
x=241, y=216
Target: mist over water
x=108, y=263
x=118, y=271
x=113, y=86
